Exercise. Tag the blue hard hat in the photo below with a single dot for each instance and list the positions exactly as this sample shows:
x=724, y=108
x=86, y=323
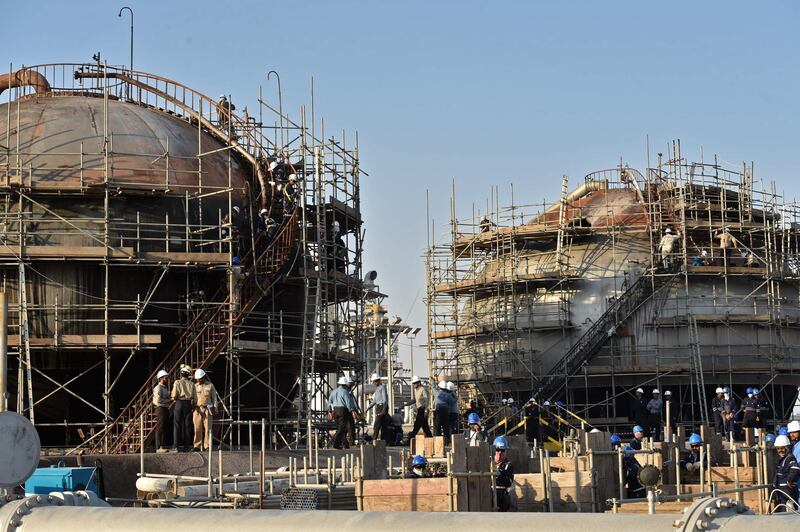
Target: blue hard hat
x=749, y=390
x=474, y=419
x=770, y=438
x=756, y=391
x=236, y=261
x=500, y=443
x=783, y=431
x=726, y=390
x=695, y=439
x=419, y=460
x=637, y=428
x=615, y=439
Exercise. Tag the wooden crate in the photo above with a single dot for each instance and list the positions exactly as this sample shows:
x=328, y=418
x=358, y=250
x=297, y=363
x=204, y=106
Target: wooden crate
x=408, y=495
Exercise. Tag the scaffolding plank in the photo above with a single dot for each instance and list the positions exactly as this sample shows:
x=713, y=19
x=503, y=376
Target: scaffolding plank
x=90, y=340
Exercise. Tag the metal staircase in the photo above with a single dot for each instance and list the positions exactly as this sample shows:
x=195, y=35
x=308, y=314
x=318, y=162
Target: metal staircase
x=202, y=340
x=600, y=331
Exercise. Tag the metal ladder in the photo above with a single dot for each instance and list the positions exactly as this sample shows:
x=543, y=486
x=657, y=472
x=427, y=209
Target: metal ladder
x=25, y=355
x=697, y=368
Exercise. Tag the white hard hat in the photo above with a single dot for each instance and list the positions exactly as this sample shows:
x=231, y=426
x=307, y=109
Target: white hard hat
x=782, y=441
x=505, y=401
x=704, y=253
x=510, y=400
x=236, y=209
x=222, y=96
x=262, y=212
x=451, y=386
x=292, y=177
x=668, y=392
x=415, y=379
x=349, y=379
x=793, y=426
x=547, y=403
x=655, y=391
x=199, y=374
x=639, y=390
x=375, y=377
x=443, y=385
x=161, y=373
x=185, y=369
x=719, y=390
x=668, y=230
x=594, y=431
x=273, y=165
x=341, y=381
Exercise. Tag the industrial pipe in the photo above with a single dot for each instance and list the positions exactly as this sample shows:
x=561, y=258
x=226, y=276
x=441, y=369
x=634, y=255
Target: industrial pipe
x=24, y=78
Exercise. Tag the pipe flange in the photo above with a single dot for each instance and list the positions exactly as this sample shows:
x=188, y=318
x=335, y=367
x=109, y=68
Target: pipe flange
x=704, y=512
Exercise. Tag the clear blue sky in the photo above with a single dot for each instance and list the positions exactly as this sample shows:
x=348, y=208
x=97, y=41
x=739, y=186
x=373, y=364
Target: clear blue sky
x=486, y=93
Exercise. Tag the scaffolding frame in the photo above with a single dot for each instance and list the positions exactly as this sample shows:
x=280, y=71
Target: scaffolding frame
x=329, y=174
x=491, y=317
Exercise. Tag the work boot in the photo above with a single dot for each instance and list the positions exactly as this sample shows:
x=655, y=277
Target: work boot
x=162, y=450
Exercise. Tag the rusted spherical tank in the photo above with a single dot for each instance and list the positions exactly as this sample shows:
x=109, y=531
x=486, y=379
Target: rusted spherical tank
x=99, y=198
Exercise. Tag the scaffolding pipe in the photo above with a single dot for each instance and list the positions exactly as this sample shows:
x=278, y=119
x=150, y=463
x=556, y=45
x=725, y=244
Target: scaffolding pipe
x=3, y=352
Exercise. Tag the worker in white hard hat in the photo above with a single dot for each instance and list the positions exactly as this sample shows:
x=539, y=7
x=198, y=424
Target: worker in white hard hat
x=654, y=407
x=185, y=397
x=451, y=388
x=224, y=108
x=340, y=407
x=380, y=401
x=667, y=246
x=638, y=413
x=787, y=472
x=421, y=402
x=204, y=411
x=290, y=193
x=443, y=406
x=716, y=409
x=794, y=436
x=161, y=402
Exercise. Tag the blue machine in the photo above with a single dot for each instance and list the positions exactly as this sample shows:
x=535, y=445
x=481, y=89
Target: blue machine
x=56, y=478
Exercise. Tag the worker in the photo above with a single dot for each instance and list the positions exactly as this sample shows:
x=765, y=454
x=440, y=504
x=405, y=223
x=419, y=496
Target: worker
x=442, y=409
x=728, y=412
x=474, y=435
x=726, y=242
x=666, y=246
x=224, y=108
x=701, y=259
x=638, y=413
x=770, y=438
x=631, y=468
x=638, y=436
x=380, y=401
x=793, y=431
x=340, y=407
x=290, y=192
x=654, y=407
x=532, y=421
x=486, y=224
x=419, y=468
x=513, y=407
x=421, y=401
x=616, y=441
x=185, y=397
x=749, y=410
x=716, y=409
x=787, y=471
x=204, y=411
x=451, y=388
x=473, y=407
x=504, y=476
x=762, y=408
x=161, y=402
x=691, y=462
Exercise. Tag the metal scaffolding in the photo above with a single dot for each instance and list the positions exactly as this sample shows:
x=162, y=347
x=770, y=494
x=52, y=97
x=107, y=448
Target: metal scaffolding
x=574, y=300
x=259, y=306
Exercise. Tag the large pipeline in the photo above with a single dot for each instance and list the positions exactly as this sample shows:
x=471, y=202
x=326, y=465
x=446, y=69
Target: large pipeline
x=24, y=78
x=43, y=513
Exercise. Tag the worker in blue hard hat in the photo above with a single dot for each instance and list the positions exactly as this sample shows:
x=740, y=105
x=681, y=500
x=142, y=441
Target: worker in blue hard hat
x=769, y=438
x=504, y=478
x=783, y=431
x=419, y=468
x=787, y=473
x=749, y=414
x=474, y=435
x=691, y=462
x=616, y=441
x=630, y=469
x=638, y=436
x=762, y=408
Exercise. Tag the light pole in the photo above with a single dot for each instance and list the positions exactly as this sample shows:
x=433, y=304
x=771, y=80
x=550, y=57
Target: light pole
x=280, y=102
x=120, y=15
x=411, y=334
